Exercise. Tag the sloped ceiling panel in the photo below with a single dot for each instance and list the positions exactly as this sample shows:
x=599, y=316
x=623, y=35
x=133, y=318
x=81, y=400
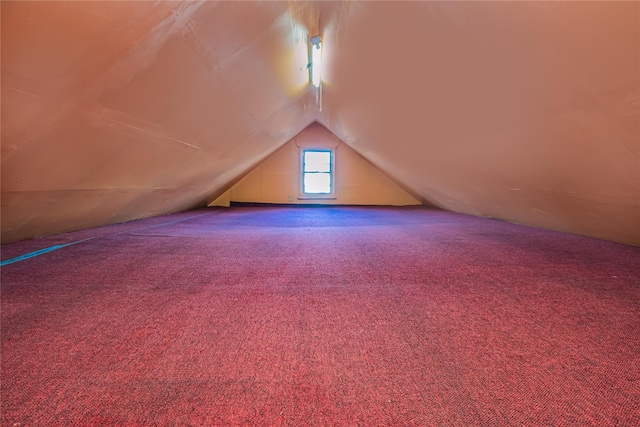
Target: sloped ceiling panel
x=526, y=111
x=120, y=110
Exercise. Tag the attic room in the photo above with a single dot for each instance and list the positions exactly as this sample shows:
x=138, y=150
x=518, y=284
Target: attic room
x=312, y=213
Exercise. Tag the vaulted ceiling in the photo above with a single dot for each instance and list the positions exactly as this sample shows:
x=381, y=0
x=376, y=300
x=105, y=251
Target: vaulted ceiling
x=523, y=111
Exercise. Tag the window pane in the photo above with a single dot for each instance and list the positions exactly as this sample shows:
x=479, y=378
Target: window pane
x=317, y=161
x=318, y=183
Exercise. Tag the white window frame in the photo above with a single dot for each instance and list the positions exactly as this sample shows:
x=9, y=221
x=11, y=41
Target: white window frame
x=332, y=174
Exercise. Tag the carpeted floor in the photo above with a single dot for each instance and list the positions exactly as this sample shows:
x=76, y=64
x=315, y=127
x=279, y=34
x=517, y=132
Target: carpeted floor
x=320, y=317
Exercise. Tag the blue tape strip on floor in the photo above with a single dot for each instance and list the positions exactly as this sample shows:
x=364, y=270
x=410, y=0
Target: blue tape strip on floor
x=56, y=247
x=39, y=252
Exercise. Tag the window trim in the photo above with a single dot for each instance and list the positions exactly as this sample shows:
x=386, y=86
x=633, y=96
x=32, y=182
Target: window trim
x=332, y=175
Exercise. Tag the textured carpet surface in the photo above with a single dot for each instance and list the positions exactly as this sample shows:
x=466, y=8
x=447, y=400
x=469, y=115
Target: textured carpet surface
x=318, y=317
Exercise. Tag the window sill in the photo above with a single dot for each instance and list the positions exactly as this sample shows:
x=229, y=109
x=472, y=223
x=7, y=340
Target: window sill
x=317, y=198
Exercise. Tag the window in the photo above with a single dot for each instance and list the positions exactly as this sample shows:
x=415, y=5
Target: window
x=317, y=172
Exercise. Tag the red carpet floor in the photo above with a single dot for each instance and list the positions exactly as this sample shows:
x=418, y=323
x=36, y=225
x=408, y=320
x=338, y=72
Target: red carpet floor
x=320, y=317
